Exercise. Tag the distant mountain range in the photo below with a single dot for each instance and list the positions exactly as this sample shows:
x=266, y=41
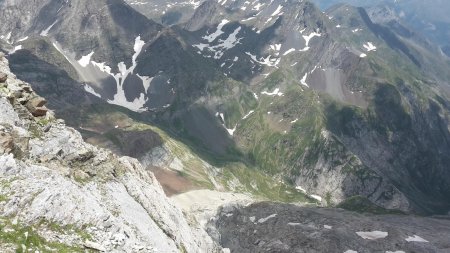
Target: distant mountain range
x=320, y=105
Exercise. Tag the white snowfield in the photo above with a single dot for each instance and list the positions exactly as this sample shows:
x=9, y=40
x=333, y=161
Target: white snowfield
x=138, y=104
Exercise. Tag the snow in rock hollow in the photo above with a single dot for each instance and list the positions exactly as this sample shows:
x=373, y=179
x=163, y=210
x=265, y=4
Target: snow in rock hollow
x=23, y=39
x=248, y=114
x=90, y=90
x=45, y=32
x=210, y=38
x=303, y=80
x=277, y=11
x=316, y=197
x=369, y=47
x=415, y=238
x=276, y=92
x=227, y=44
x=16, y=48
x=85, y=60
x=298, y=187
x=372, y=235
x=262, y=220
x=308, y=38
x=268, y=61
x=289, y=51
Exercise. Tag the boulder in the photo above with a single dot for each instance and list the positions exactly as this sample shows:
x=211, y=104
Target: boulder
x=36, y=106
x=2, y=55
x=36, y=102
x=39, y=111
x=3, y=77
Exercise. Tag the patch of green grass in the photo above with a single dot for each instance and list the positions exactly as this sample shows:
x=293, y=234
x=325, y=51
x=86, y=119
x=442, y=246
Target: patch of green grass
x=250, y=180
x=361, y=204
x=23, y=236
x=3, y=198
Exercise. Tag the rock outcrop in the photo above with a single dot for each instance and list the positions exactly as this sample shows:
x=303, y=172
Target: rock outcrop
x=69, y=195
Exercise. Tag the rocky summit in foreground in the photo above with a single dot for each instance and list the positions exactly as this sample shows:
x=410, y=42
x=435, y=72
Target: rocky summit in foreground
x=269, y=227
x=59, y=194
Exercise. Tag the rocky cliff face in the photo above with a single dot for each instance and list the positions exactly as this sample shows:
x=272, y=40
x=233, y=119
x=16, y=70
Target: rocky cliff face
x=59, y=193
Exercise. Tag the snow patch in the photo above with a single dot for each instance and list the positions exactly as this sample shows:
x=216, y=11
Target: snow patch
x=289, y=51
x=316, y=197
x=369, y=47
x=248, y=114
x=415, y=238
x=85, y=60
x=89, y=89
x=268, y=61
x=15, y=49
x=44, y=33
x=210, y=38
x=23, y=39
x=276, y=92
x=303, y=80
x=262, y=220
x=277, y=11
x=372, y=235
x=298, y=187
x=308, y=38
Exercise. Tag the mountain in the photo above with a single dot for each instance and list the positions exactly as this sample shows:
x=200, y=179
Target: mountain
x=249, y=97
x=61, y=194
x=426, y=17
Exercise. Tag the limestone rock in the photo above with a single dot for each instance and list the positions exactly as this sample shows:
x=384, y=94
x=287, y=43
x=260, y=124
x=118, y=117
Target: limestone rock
x=39, y=111
x=36, y=106
x=36, y=102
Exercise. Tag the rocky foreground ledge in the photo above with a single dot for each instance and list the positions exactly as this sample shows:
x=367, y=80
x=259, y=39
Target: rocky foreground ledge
x=271, y=227
x=60, y=194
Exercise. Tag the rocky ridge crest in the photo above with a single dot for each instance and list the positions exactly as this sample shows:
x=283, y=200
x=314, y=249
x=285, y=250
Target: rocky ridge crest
x=71, y=195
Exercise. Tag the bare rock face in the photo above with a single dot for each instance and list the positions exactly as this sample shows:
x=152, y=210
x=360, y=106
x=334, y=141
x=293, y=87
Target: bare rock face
x=74, y=195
